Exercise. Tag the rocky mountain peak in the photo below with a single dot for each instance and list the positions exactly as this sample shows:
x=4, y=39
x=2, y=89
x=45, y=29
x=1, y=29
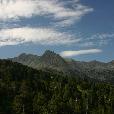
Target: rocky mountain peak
x=49, y=53
x=51, y=58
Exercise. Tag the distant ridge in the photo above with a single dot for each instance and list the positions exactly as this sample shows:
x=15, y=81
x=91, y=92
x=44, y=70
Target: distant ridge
x=50, y=60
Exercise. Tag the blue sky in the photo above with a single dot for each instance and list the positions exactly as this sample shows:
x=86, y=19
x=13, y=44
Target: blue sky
x=78, y=29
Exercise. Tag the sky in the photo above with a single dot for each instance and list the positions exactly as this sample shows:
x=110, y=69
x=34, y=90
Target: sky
x=78, y=29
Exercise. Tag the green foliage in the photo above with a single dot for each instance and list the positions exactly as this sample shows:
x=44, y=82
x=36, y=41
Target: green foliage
x=24, y=90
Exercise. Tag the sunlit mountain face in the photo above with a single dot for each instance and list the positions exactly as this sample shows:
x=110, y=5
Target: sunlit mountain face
x=94, y=70
x=82, y=30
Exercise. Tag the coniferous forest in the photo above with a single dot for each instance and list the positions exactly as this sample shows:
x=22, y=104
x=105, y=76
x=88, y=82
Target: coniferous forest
x=24, y=90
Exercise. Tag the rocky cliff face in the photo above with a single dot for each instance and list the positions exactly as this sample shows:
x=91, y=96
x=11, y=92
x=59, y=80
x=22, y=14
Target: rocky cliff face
x=50, y=60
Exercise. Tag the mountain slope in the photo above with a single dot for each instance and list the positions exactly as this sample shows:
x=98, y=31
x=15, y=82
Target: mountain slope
x=50, y=60
x=24, y=90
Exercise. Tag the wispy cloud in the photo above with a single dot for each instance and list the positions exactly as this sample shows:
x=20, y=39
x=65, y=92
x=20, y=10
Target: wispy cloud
x=15, y=9
x=102, y=36
x=80, y=52
x=99, y=39
x=44, y=36
x=59, y=12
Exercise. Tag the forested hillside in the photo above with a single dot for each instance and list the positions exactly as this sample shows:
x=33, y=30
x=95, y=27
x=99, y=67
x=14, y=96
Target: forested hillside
x=24, y=90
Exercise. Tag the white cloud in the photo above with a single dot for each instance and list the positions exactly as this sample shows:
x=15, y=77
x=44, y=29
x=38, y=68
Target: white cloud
x=44, y=36
x=95, y=40
x=80, y=52
x=14, y=9
x=61, y=15
x=102, y=36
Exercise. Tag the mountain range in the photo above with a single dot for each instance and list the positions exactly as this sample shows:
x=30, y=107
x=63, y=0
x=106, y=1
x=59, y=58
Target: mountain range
x=50, y=84
x=24, y=90
x=52, y=61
